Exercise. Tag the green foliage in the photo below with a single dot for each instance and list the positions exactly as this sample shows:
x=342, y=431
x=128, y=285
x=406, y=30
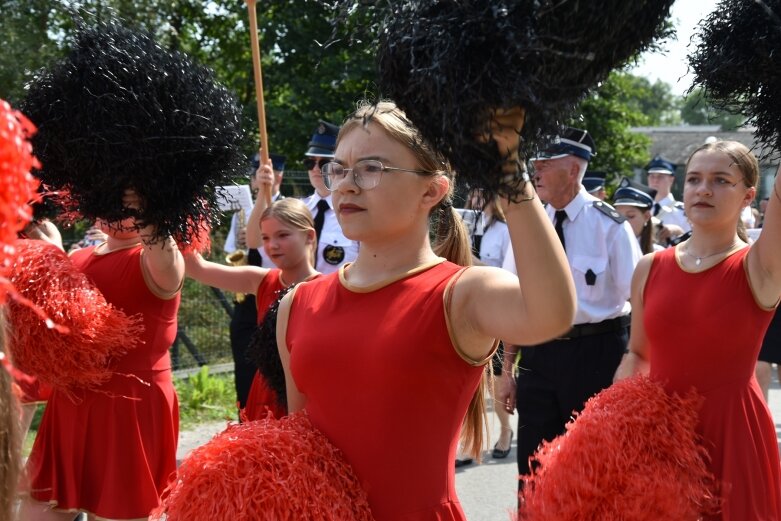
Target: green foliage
x=696, y=109
x=204, y=397
x=608, y=114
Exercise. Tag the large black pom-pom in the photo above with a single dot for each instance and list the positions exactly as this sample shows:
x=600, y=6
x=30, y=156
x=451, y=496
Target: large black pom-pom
x=120, y=111
x=737, y=61
x=448, y=63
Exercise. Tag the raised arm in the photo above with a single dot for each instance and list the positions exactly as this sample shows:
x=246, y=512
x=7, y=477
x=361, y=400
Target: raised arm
x=239, y=279
x=162, y=262
x=764, y=259
x=265, y=175
x=540, y=302
x=636, y=359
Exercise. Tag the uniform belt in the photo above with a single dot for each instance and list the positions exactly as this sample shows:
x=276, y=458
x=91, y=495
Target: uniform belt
x=606, y=326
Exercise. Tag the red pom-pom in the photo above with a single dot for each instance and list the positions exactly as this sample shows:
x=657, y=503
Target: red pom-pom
x=200, y=243
x=76, y=346
x=631, y=455
x=17, y=185
x=266, y=470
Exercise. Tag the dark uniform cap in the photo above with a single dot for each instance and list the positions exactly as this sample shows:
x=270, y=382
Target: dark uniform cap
x=632, y=193
x=594, y=180
x=660, y=165
x=571, y=141
x=277, y=162
x=323, y=142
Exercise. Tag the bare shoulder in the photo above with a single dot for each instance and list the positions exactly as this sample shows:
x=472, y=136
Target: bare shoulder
x=482, y=278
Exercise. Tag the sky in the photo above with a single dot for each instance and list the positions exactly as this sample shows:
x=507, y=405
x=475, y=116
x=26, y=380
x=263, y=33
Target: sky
x=671, y=67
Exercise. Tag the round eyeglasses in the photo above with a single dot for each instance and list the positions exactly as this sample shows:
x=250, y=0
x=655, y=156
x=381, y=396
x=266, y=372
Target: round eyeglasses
x=366, y=173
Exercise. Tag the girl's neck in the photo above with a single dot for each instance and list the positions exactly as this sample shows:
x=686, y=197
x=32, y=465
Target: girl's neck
x=114, y=243
x=382, y=261
x=297, y=274
x=705, y=241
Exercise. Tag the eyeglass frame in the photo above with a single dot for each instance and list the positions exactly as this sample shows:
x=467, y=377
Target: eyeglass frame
x=383, y=169
x=310, y=160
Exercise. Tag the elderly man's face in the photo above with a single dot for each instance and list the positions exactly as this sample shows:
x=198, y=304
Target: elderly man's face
x=557, y=180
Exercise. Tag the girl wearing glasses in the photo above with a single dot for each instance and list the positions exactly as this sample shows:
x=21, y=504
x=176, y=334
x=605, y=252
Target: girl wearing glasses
x=387, y=355
x=710, y=340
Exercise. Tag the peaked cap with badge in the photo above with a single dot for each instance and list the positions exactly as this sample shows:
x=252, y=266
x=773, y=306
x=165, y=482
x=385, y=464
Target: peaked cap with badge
x=632, y=193
x=323, y=142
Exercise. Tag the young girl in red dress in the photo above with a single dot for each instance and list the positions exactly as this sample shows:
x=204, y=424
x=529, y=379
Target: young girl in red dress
x=699, y=312
x=387, y=354
x=110, y=452
x=288, y=236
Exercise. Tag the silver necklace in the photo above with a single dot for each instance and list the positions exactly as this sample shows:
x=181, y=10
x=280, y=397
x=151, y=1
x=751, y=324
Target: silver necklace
x=698, y=260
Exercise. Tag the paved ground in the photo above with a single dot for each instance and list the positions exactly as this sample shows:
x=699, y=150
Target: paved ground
x=487, y=491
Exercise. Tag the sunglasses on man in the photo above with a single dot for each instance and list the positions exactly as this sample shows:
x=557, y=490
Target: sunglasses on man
x=309, y=163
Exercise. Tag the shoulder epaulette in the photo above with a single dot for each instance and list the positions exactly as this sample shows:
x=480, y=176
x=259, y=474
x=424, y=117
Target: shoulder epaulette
x=609, y=211
x=679, y=205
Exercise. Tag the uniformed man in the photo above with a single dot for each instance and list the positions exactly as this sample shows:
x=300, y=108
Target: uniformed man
x=556, y=378
x=661, y=176
x=333, y=248
x=594, y=183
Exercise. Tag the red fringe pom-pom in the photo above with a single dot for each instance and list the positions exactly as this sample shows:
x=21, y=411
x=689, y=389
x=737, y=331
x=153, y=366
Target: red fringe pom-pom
x=76, y=347
x=17, y=185
x=631, y=455
x=275, y=470
x=200, y=243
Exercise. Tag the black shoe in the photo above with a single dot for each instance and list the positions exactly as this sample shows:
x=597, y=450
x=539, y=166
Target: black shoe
x=503, y=453
x=463, y=462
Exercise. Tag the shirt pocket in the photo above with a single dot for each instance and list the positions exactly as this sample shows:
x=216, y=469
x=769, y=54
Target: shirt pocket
x=492, y=253
x=589, y=268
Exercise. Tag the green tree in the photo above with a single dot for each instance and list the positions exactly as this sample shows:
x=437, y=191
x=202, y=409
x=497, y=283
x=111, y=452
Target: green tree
x=697, y=110
x=608, y=114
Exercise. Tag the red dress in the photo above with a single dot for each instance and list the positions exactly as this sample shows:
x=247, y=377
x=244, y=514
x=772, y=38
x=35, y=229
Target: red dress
x=262, y=398
x=384, y=382
x=112, y=451
x=704, y=331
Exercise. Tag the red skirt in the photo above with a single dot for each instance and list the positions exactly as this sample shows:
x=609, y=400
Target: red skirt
x=110, y=452
x=262, y=399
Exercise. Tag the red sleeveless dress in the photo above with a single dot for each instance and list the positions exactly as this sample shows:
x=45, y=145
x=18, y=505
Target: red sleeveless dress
x=704, y=331
x=262, y=398
x=385, y=384
x=112, y=451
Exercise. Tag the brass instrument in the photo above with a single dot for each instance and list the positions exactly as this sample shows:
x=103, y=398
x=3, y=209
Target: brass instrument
x=238, y=257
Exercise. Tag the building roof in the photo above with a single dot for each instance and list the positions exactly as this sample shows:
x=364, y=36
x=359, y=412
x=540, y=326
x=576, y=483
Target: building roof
x=677, y=143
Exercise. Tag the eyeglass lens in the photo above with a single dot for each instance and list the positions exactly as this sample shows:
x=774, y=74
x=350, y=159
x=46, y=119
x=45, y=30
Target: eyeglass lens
x=366, y=174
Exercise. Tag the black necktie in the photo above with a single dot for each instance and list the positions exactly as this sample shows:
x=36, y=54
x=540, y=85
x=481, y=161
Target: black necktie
x=657, y=209
x=322, y=207
x=560, y=216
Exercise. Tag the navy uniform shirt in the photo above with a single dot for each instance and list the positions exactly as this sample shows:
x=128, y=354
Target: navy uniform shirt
x=602, y=255
x=333, y=249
